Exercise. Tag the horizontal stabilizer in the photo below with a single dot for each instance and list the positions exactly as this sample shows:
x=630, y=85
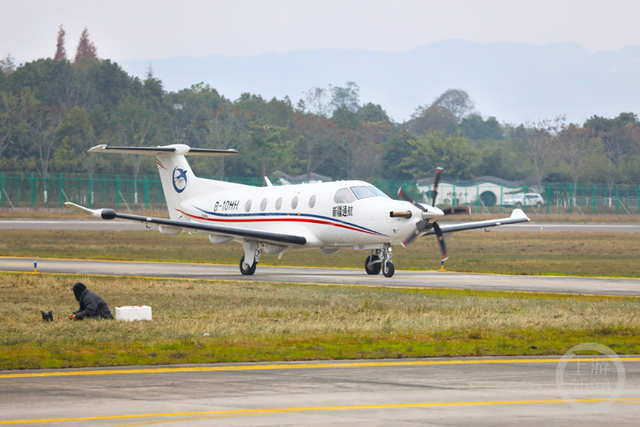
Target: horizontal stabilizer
x=167, y=149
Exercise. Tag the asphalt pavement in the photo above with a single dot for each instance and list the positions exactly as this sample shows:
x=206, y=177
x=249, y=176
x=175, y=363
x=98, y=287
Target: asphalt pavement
x=435, y=392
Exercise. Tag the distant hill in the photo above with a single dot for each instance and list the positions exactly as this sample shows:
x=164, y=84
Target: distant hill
x=513, y=81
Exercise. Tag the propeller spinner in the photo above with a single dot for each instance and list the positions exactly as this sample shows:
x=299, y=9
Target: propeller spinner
x=429, y=214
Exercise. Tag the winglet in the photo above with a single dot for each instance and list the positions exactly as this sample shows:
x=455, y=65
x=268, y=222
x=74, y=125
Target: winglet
x=96, y=213
x=519, y=214
x=268, y=181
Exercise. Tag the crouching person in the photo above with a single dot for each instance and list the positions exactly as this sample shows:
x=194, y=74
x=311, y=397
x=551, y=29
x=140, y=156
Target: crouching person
x=91, y=305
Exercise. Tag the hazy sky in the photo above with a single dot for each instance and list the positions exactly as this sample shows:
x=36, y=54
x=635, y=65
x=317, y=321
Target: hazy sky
x=154, y=29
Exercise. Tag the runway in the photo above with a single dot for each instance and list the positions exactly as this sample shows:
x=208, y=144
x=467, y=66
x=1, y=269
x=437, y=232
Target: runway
x=452, y=392
x=99, y=225
x=420, y=279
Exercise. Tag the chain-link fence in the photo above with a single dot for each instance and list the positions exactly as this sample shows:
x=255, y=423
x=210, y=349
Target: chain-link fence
x=488, y=196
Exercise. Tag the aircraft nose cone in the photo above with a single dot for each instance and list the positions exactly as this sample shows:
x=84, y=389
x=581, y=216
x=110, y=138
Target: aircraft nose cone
x=432, y=212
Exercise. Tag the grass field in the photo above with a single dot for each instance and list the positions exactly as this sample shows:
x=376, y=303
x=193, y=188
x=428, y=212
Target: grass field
x=208, y=321
x=582, y=254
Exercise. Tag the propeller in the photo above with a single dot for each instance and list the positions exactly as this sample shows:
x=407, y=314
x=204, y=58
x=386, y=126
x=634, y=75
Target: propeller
x=424, y=223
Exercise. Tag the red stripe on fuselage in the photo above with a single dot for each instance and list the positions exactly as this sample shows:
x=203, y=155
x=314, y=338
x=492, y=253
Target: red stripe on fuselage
x=292, y=218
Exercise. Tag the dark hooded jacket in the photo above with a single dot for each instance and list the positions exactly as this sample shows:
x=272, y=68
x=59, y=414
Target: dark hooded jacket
x=91, y=305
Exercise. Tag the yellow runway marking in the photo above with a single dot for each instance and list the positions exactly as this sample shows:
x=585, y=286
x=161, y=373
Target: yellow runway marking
x=267, y=411
x=267, y=367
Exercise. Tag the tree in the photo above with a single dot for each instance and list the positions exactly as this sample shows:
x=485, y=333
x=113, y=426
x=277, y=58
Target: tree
x=440, y=149
x=539, y=143
x=476, y=128
x=316, y=140
x=348, y=97
x=61, y=52
x=41, y=123
x=372, y=113
x=7, y=65
x=577, y=145
x=138, y=125
x=86, y=48
x=621, y=146
x=431, y=118
x=398, y=147
x=457, y=101
x=219, y=128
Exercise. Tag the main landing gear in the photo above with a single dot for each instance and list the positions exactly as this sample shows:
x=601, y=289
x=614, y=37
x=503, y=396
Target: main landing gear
x=380, y=259
x=251, y=257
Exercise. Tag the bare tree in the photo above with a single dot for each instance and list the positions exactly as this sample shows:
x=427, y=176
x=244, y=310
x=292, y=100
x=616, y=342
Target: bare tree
x=7, y=65
x=138, y=126
x=538, y=142
x=42, y=125
x=218, y=128
x=576, y=144
x=316, y=140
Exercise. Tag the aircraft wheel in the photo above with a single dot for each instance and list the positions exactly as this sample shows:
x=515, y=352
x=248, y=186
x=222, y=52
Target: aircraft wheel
x=245, y=269
x=518, y=205
x=389, y=269
x=374, y=268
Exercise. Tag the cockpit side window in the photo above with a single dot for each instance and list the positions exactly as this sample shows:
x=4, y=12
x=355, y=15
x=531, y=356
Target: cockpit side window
x=363, y=192
x=344, y=195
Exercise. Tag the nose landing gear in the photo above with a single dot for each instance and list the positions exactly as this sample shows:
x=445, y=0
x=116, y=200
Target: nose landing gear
x=380, y=259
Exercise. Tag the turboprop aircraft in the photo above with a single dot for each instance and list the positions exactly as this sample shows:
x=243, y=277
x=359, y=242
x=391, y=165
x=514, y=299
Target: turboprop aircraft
x=328, y=216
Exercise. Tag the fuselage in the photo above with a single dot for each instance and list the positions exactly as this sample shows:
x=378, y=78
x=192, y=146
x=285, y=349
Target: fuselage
x=341, y=214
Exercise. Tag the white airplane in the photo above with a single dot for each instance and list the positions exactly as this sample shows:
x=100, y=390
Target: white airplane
x=329, y=216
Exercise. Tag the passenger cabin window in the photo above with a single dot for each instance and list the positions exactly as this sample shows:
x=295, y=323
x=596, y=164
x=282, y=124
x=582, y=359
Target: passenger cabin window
x=344, y=195
x=263, y=204
x=363, y=192
x=247, y=206
x=312, y=201
x=294, y=203
x=278, y=203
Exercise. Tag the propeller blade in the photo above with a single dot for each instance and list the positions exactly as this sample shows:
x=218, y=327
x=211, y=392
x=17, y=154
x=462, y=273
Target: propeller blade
x=419, y=229
x=436, y=180
x=408, y=198
x=443, y=245
x=457, y=210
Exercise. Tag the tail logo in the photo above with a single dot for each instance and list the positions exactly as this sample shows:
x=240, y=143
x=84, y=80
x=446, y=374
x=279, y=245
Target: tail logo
x=179, y=179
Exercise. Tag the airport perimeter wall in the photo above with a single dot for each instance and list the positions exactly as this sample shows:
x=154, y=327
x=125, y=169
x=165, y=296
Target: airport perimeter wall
x=20, y=190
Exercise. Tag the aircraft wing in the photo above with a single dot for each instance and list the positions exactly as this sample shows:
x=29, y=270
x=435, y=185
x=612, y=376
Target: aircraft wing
x=268, y=236
x=516, y=216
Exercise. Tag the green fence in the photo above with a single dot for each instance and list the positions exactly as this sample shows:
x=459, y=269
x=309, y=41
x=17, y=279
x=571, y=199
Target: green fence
x=19, y=190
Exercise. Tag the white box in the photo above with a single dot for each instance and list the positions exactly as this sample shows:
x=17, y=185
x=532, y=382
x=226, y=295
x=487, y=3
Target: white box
x=134, y=312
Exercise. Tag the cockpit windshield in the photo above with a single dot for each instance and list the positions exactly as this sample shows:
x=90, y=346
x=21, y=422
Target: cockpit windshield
x=378, y=191
x=363, y=192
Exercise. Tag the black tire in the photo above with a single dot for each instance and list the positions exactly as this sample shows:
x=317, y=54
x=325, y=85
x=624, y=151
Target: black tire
x=518, y=205
x=389, y=269
x=375, y=268
x=245, y=269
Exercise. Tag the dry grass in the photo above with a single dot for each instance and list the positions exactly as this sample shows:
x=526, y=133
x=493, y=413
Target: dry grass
x=258, y=321
x=582, y=254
